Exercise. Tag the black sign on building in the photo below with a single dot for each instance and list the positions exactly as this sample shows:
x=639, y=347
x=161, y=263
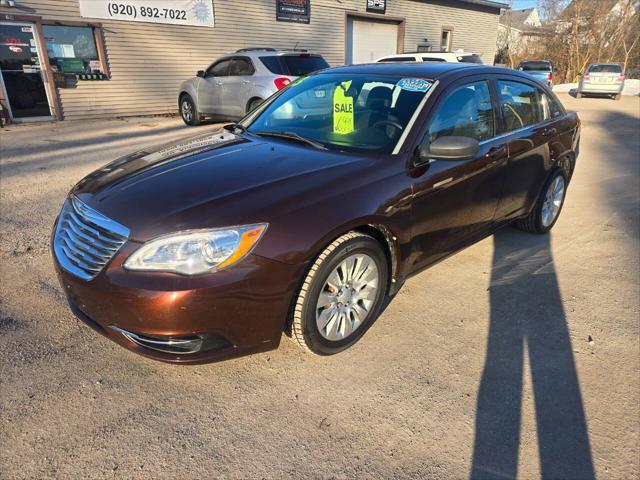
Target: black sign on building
x=377, y=6
x=298, y=11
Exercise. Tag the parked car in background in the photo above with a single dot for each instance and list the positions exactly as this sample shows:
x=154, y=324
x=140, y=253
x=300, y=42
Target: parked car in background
x=453, y=57
x=211, y=247
x=237, y=83
x=541, y=70
x=602, y=79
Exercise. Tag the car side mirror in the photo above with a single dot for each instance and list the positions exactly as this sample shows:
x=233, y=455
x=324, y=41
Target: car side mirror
x=200, y=74
x=453, y=149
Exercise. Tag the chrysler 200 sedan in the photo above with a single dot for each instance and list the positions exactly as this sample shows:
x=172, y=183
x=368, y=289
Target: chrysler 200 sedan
x=309, y=213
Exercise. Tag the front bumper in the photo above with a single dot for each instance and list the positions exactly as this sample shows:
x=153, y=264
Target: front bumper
x=237, y=311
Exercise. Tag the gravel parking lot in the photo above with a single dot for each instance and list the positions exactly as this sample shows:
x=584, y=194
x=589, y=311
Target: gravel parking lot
x=515, y=358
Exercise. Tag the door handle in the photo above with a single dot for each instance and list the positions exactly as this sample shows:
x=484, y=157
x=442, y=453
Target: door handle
x=549, y=132
x=495, y=152
x=245, y=82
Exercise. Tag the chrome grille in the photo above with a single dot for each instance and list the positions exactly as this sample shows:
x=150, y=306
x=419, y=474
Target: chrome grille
x=85, y=240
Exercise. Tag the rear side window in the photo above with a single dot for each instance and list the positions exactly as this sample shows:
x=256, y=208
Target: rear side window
x=398, y=59
x=605, y=69
x=470, y=59
x=521, y=104
x=466, y=112
x=240, y=67
x=550, y=107
x=294, y=65
x=535, y=67
x=433, y=59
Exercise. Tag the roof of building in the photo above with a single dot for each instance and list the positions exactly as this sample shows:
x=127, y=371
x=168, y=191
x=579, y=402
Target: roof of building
x=516, y=18
x=489, y=3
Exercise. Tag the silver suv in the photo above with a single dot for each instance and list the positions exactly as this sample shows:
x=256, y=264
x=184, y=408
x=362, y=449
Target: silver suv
x=237, y=83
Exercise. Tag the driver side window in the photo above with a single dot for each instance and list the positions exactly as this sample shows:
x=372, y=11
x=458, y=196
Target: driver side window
x=220, y=69
x=467, y=111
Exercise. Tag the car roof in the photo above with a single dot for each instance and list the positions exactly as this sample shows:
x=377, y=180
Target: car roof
x=271, y=51
x=432, y=71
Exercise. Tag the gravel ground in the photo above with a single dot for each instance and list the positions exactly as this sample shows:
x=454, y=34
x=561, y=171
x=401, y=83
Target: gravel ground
x=515, y=358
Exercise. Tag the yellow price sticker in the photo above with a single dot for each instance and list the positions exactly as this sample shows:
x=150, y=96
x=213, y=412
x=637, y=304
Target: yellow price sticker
x=343, y=122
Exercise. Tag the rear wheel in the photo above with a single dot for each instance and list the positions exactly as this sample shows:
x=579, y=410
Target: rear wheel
x=253, y=104
x=342, y=294
x=188, y=111
x=547, y=209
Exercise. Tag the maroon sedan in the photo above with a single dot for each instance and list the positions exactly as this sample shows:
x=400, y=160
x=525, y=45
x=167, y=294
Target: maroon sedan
x=313, y=210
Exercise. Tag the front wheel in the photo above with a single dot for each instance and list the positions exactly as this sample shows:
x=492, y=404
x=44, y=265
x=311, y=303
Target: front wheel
x=188, y=111
x=547, y=209
x=342, y=294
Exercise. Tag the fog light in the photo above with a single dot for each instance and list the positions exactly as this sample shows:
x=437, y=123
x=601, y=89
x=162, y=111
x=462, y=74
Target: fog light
x=176, y=345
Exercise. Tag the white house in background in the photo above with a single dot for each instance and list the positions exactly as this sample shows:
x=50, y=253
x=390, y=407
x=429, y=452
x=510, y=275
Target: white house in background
x=516, y=27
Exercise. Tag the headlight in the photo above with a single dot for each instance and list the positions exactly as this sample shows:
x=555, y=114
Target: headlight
x=196, y=251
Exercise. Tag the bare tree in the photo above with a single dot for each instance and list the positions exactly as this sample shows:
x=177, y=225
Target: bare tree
x=577, y=32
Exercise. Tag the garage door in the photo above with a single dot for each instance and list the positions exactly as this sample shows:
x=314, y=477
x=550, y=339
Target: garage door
x=368, y=40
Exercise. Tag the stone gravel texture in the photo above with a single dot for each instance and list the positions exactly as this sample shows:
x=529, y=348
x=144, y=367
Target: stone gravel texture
x=517, y=357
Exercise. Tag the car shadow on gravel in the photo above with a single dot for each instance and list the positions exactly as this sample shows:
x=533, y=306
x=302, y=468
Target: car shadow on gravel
x=527, y=316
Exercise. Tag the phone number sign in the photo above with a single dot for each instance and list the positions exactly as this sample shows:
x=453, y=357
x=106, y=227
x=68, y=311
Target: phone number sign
x=197, y=13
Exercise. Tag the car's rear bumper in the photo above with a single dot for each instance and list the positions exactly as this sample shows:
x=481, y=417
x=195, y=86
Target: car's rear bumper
x=237, y=311
x=601, y=88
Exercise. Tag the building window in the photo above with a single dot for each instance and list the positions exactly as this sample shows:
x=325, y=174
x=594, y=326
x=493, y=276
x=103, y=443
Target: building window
x=445, y=39
x=72, y=49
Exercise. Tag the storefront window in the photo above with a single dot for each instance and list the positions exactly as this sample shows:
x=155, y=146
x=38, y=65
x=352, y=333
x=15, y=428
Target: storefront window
x=71, y=49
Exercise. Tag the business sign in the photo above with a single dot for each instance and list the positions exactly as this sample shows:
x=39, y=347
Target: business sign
x=377, y=6
x=197, y=13
x=298, y=11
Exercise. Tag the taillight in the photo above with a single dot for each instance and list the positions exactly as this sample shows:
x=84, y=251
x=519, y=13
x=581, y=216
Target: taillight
x=281, y=82
x=586, y=76
x=621, y=77
x=550, y=76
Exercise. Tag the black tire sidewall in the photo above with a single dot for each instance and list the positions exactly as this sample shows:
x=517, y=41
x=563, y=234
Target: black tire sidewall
x=539, y=225
x=313, y=338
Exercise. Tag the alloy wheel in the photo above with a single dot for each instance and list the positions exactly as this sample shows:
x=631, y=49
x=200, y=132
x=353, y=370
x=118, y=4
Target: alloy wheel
x=187, y=110
x=347, y=297
x=553, y=201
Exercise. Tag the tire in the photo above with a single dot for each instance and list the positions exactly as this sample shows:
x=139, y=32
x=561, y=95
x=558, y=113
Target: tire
x=253, y=104
x=537, y=221
x=188, y=111
x=342, y=328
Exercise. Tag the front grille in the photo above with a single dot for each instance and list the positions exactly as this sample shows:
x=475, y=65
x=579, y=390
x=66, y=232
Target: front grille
x=85, y=240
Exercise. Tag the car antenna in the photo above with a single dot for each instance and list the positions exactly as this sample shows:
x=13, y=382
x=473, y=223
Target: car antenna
x=295, y=47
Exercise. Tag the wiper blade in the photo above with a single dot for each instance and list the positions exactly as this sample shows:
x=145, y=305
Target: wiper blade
x=292, y=136
x=232, y=127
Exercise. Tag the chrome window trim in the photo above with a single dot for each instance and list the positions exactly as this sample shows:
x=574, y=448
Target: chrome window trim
x=413, y=119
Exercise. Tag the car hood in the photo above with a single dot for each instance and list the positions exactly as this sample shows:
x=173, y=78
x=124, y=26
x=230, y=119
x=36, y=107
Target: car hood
x=215, y=180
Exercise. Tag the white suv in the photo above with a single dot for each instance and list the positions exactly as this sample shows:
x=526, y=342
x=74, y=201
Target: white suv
x=452, y=57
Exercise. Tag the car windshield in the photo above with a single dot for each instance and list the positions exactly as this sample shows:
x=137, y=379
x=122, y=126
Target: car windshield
x=535, y=67
x=343, y=112
x=605, y=69
x=294, y=65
